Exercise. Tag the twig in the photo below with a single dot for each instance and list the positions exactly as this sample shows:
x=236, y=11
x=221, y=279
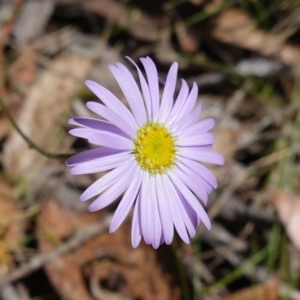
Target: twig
x=236, y=99
x=41, y=259
x=30, y=143
x=8, y=292
x=235, y=182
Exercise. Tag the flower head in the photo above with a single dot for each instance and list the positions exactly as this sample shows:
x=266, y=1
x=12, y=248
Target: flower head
x=152, y=152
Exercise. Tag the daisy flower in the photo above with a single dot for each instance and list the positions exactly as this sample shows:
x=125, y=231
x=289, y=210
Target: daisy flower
x=151, y=152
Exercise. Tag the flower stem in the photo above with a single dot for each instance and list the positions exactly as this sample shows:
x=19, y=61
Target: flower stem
x=30, y=143
x=181, y=272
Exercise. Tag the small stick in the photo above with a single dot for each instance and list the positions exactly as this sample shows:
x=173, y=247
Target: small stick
x=8, y=292
x=41, y=259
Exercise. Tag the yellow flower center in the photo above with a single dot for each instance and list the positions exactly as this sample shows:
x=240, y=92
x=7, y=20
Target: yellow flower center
x=154, y=148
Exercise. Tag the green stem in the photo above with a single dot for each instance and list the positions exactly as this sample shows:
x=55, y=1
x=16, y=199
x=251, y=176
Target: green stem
x=237, y=273
x=30, y=143
x=181, y=271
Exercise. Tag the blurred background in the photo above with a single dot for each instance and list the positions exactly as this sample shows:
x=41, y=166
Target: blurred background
x=245, y=57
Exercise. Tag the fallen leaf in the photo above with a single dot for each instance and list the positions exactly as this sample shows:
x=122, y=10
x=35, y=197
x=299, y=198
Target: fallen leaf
x=235, y=27
x=138, y=23
x=266, y=291
x=288, y=209
x=24, y=70
x=10, y=232
x=197, y=2
x=226, y=143
x=107, y=262
x=42, y=113
x=187, y=40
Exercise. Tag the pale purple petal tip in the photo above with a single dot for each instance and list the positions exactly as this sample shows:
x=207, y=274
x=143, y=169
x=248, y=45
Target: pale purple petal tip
x=136, y=231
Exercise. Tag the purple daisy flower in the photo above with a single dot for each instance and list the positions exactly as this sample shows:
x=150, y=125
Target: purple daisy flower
x=152, y=153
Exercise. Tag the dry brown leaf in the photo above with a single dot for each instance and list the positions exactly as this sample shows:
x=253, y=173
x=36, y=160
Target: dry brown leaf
x=187, y=40
x=55, y=224
x=225, y=143
x=43, y=112
x=139, y=24
x=266, y=291
x=109, y=258
x=10, y=232
x=22, y=74
x=197, y=2
x=288, y=209
x=235, y=27
x=8, y=215
x=24, y=70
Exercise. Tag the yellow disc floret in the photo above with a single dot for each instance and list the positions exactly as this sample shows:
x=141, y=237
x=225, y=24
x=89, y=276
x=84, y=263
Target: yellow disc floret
x=154, y=148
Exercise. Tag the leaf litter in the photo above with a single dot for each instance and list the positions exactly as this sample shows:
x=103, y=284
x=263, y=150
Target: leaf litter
x=245, y=57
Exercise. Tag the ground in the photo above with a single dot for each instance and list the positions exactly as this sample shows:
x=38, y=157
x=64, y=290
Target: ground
x=245, y=57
